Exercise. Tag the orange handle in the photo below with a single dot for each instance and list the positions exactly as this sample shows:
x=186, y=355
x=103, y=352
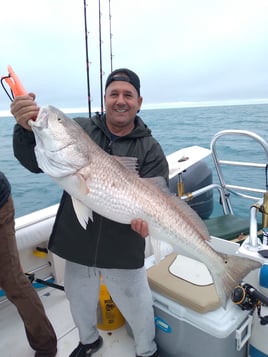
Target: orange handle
x=14, y=83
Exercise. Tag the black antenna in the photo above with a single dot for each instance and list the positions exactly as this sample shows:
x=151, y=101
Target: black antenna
x=87, y=60
x=100, y=48
x=111, y=35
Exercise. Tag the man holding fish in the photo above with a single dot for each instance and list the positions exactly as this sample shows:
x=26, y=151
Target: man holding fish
x=91, y=243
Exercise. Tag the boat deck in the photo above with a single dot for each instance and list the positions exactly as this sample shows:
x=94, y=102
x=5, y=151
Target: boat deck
x=13, y=339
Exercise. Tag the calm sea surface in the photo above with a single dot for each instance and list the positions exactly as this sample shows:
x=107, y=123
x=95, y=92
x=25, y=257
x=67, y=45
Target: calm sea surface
x=174, y=128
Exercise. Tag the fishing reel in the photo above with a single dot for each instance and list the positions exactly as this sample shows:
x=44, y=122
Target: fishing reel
x=249, y=298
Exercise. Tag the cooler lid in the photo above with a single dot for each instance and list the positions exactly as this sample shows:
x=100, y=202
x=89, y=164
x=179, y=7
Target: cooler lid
x=180, y=279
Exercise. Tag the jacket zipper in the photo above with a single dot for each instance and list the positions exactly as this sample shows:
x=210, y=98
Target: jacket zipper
x=109, y=147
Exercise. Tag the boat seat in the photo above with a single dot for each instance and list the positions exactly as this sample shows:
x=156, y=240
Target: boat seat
x=228, y=227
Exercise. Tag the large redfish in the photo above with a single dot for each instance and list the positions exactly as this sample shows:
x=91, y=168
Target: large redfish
x=103, y=183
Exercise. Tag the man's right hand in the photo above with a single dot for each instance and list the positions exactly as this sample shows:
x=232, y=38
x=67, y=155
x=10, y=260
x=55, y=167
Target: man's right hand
x=24, y=108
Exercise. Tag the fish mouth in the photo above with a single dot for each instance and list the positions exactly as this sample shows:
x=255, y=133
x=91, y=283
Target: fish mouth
x=41, y=120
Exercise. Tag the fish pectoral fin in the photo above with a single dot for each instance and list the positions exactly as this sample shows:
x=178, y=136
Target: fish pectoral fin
x=83, y=175
x=83, y=213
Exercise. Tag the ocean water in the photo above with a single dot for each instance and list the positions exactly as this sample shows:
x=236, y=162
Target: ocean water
x=174, y=128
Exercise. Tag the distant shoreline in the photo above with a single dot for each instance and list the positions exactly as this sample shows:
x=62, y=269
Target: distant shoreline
x=175, y=105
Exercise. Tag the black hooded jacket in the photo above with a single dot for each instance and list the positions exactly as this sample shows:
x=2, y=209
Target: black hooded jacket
x=105, y=243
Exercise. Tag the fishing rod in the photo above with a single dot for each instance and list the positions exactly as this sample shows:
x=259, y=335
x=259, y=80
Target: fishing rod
x=111, y=35
x=87, y=60
x=100, y=54
x=100, y=49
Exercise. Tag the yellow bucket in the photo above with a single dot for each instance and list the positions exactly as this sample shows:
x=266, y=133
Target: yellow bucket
x=108, y=315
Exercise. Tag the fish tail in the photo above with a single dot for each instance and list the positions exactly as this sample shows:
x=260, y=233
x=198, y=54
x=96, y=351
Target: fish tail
x=234, y=270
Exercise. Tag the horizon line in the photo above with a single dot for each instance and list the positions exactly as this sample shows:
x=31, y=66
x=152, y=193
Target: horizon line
x=166, y=105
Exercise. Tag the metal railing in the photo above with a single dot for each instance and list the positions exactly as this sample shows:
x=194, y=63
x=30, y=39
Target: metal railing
x=238, y=190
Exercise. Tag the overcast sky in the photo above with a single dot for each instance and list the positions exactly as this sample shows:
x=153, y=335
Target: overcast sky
x=183, y=50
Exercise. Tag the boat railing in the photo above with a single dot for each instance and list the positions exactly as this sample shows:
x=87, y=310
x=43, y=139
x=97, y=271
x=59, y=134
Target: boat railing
x=252, y=193
x=230, y=225
x=189, y=196
x=256, y=194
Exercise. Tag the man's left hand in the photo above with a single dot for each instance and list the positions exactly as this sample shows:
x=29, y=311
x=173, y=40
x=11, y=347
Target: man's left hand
x=140, y=226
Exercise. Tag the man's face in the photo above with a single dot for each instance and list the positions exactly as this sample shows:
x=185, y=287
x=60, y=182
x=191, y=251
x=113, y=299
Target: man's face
x=122, y=103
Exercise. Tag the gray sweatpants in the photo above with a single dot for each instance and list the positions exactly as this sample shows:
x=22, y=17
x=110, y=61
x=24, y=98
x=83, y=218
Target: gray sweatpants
x=130, y=292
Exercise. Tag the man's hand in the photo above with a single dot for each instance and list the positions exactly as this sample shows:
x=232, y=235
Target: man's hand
x=140, y=226
x=24, y=108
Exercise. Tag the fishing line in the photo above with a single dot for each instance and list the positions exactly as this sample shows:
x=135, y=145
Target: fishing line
x=87, y=59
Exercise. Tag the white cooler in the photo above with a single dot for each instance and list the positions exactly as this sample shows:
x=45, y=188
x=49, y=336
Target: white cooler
x=185, y=328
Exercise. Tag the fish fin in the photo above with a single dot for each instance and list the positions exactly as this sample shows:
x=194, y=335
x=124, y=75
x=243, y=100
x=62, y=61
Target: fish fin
x=159, y=182
x=234, y=270
x=191, y=215
x=83, y=213
x=131, y=163
x=161, y=249
x=83, y=174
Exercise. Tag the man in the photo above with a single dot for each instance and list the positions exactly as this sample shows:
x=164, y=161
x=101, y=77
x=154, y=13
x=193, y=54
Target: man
x=17, y=286
x=116, y=251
